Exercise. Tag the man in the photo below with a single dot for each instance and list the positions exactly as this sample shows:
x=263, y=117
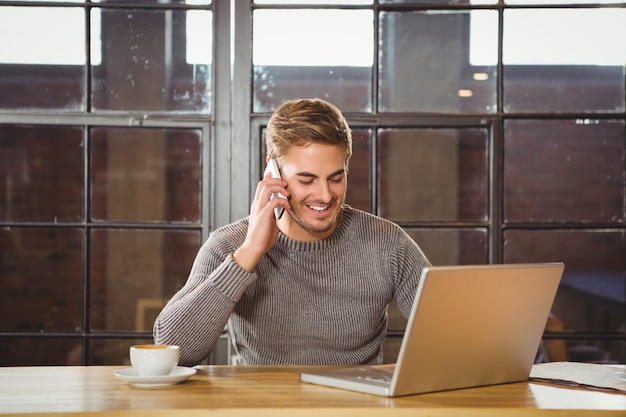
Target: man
x=311, y=287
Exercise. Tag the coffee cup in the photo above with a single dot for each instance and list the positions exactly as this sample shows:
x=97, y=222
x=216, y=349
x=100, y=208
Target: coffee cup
x=154, y=360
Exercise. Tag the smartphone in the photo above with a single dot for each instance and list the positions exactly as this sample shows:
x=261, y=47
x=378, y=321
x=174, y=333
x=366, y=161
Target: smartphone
x=273, y=167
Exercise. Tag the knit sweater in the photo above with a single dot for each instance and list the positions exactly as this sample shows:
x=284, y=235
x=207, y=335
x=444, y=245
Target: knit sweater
x=322, y=302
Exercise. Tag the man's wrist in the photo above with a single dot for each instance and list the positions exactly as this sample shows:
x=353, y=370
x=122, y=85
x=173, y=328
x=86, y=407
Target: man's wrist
x=246, y=258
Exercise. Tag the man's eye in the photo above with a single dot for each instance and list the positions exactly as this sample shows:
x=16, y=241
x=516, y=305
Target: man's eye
x=336, y=180
x=308, y=182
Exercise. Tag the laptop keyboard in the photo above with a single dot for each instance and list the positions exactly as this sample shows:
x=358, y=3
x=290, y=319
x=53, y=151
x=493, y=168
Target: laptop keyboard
x=381, y=376
x=384, y=379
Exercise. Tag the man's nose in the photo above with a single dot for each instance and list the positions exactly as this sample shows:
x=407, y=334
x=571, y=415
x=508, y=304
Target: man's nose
x=323, y=192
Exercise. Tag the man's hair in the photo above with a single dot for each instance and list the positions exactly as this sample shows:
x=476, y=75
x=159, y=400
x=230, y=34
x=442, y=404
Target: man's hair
x=303, y=121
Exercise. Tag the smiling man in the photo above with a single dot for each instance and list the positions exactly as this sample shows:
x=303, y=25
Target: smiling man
x=311, y=287
x=317, y=175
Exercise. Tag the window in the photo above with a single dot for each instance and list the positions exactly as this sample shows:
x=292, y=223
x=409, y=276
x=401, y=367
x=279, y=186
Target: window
x=487, y=143
x=490, y=131
x=104, y=172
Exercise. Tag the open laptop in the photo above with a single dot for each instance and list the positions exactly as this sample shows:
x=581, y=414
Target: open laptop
x=469, y=326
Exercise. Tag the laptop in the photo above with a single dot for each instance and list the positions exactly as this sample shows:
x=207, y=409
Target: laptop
x=469, y=326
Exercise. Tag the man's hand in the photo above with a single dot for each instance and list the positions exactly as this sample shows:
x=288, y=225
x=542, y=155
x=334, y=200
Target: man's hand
x=262, y=228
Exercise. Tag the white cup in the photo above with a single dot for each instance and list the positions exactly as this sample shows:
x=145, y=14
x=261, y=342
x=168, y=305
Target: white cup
x=154, y=360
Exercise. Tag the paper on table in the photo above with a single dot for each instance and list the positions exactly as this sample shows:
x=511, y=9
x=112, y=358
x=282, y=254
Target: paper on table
x=589, y=375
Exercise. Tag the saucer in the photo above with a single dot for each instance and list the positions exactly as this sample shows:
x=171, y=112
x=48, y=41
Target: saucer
x=130, y=375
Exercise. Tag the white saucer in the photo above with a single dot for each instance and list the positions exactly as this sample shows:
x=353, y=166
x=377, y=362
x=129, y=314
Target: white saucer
x=179, y=374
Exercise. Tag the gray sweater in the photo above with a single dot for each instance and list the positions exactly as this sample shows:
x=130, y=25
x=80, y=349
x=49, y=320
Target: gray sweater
x=320, y=302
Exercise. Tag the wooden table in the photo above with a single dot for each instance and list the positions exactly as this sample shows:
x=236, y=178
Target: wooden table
x=276, y=391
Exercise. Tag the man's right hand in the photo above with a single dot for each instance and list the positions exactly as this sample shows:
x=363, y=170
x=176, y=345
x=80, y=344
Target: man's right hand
x=262, y=227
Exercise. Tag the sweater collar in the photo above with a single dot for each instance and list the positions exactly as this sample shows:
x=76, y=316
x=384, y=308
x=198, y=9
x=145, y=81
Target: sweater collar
x=344, y=221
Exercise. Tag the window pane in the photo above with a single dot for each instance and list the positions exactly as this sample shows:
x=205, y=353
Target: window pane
x=42, y=62
x=152, y=60
x=41, y=173
x=41, y=289
x=134, y=273
x=529, y=2
x=149, y=175
x=49, y=1
x=564, y=171
x=191, y=2
x=434, y=175
x=313, y=1
x=576, y=65
x=452, y=246
x=292, y=57
x=359, y=194
x=583, y=350
x=596, y=351
x=438, y=61
x=39, y=351
x=441, y=1
x=108, y=352
x=592, y=294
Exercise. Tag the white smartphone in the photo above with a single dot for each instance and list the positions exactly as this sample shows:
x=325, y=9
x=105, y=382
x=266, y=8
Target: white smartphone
x=273, y=167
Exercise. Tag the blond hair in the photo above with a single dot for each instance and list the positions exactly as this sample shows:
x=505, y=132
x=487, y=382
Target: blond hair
x=303, y=121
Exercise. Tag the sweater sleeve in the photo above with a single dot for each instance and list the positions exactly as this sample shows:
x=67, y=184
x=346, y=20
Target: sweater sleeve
x=197, y=314
x=409, y=261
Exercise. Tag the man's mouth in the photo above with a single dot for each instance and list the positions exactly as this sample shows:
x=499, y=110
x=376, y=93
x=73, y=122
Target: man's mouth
x=319, y=209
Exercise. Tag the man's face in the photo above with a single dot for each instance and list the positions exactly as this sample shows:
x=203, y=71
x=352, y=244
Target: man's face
x=317, y=183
